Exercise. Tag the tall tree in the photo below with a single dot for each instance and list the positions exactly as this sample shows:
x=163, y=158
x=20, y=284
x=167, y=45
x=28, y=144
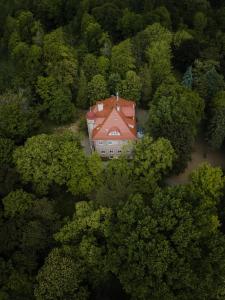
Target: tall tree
x=174, y=114
x=216, y=126
x=82, y=95
x=206, y=80
x=57, y=159
x=56, y=99
x=130, y=88
x=159, y=57
x=122, y=59
x=97, y=89
x=18, y=118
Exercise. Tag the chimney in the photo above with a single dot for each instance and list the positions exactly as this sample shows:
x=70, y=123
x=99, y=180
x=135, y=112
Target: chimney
x=100, y=106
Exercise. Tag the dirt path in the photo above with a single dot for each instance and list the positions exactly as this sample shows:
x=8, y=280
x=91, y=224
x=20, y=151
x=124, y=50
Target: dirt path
x=200, y=154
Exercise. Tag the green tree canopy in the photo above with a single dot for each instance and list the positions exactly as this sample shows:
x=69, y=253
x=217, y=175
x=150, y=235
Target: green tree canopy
x=18, y=120
x=61, y=276
x=174, y=114
x=97, y=89
x=207, y=81
x=151, y=161
x=122, y=59
x=130, y=88
x=56, y=99
x=159, y=57
x=47, y=159
x=6, y=150
x=216, y=127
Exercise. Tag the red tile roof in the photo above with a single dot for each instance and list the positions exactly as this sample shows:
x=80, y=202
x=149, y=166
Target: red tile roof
x=114, y=114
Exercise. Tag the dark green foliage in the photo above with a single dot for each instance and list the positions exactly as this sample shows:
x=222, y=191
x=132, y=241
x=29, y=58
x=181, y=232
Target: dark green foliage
x=97, y=89
x=216, y=128
x=185, y=55
x=119, y=231
x=107, y=15
x=25, y=236
x=56, y=99
x=18, y=120
x=207, y=81
x=82, y=96
x=130, y=23
x=175, y=114
x=130, y=88
x=6, y=151
x=90, y=66
x=57, y=159
x=61, y=277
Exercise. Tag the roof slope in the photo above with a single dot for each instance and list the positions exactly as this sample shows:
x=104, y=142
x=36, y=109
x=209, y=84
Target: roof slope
x=115, y=120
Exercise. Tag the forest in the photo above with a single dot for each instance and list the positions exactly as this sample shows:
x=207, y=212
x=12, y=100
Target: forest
x=73, y=227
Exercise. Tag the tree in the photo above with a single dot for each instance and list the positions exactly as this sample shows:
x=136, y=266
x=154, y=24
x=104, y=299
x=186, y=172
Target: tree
x=56, y=99
x=97, y=89
x=103, y=65
x=174, y=114
x=26, y=229
x=48, y=12
x=27, y=60
x=60, y=277
x=180, y=36
x=206, y=80
x=117, y=174
x=130, y=88
x=107, y=15
x=159, y=57
x=122, y=59
x=130, y=23
x=6, y=150
x=200, y=22
x=144, y=39
x=151, y=161
x=92, y=33
x=208, y=184
x=114, y=82
x=90, y=66
x=17, y=203
x=89, y=228
x=216, y=132
x=60, y=60
x=171, y=233
x=57, y=159
x=18, y=119
x=82, y=96
x=162, y=16
x=146, y=80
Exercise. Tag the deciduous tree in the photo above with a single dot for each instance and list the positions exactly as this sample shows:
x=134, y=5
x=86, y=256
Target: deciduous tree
x=97, y=89
x=174, y=114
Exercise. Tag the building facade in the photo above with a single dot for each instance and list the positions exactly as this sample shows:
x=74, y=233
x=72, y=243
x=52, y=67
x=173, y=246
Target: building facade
x=112, y=126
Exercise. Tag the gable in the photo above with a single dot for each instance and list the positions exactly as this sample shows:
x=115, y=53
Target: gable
x=114, y=127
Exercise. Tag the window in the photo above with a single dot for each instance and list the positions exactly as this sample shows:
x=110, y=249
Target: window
x=110, y=142
x=102, y=151
x=119, y=151
x=100, y=142
x=111, y=151
x=114, y=133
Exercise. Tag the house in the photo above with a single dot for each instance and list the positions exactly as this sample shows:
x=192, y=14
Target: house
x=112, y=125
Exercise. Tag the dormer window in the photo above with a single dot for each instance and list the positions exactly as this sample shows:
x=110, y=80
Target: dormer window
x=114, y=133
